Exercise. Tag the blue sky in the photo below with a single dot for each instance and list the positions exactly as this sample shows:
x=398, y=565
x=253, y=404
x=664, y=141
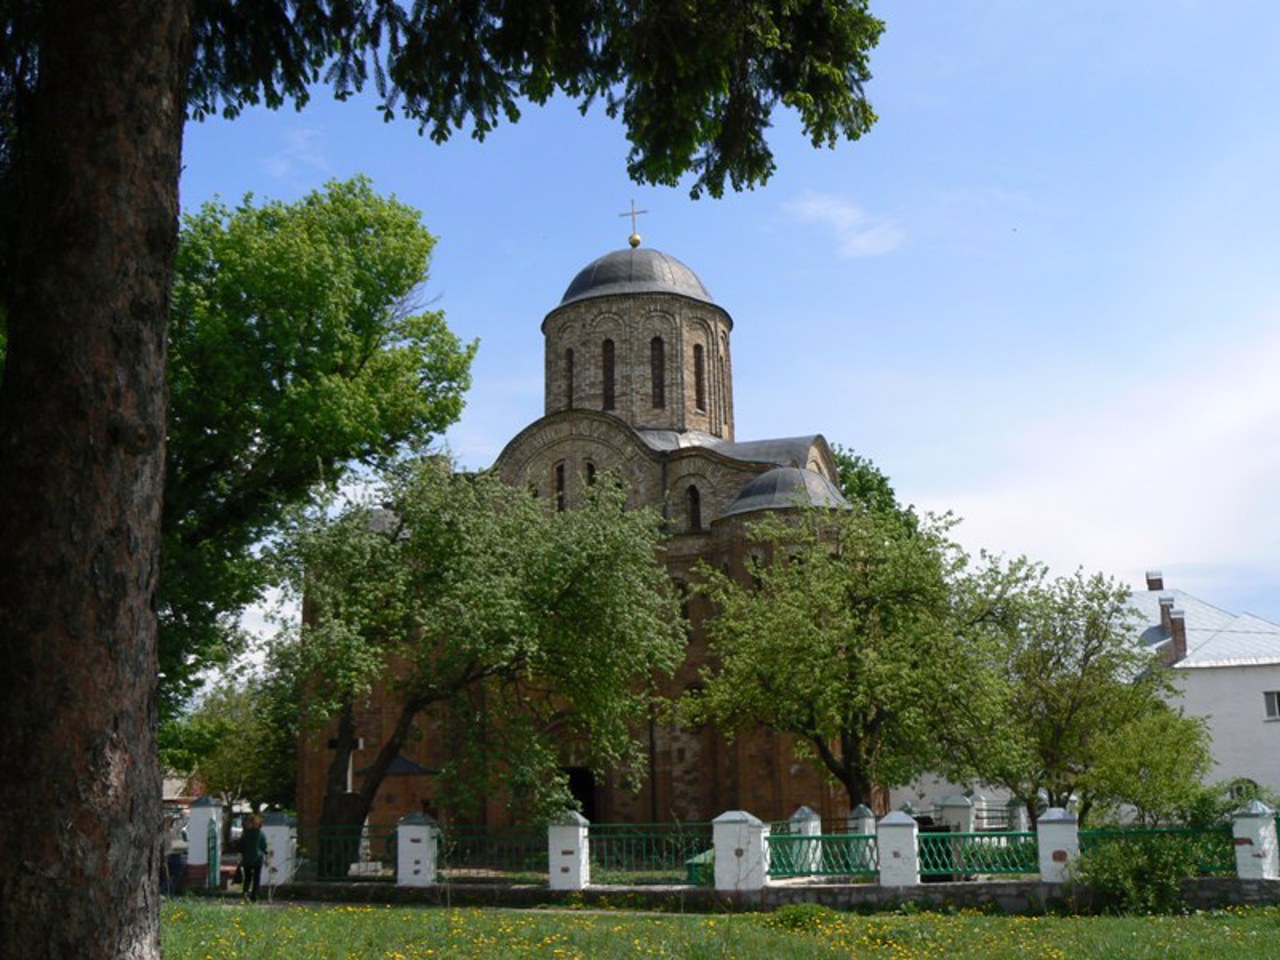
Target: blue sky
x=1042, y=292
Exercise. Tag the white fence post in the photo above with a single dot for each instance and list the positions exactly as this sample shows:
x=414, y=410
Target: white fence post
x=1018, y=821
x=806, y=822
x=1254, y=830
x=200, y=871
x=957, y=813
x=896, y=836
x=1058, y=837
x=740, y=843
x=417, y=841
x=569, y=852
x=861, y=820
x=280, y=860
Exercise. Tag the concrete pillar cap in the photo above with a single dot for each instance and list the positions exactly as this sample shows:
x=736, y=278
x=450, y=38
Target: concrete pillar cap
x=897, y=818
x=738, y=816
x=1254, y=808
x=417, y=819
x=1057, y=815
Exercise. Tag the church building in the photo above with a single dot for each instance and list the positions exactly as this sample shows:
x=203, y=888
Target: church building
x=639, y=384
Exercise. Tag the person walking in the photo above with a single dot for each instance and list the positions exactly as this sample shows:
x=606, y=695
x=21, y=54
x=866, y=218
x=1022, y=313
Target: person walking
x=253, y=852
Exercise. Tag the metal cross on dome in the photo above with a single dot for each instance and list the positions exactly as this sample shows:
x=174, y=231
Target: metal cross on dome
x=634, y=239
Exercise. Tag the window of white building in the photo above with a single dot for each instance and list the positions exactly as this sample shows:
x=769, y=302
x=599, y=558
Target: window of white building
x=1272, y=699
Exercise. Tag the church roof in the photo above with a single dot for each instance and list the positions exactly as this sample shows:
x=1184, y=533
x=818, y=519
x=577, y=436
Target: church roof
x=631, y=271
x=783, y=451
x=785, y=487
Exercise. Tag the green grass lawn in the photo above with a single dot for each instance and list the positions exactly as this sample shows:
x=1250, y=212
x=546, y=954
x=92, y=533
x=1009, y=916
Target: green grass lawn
x=204, y=930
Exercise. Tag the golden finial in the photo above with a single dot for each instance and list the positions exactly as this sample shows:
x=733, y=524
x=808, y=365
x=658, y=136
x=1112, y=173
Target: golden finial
x=634, y=239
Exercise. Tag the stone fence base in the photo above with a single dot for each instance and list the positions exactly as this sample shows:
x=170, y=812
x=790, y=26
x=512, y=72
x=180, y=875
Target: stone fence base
x=1013, y=897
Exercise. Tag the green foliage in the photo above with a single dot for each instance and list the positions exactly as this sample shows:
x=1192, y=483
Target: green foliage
x=518, y=626
x=295, y=353
x=1139, y=875
x=1154, y=764
x=844, y=635
x=241, y=741
x=695, y=85
x=1078, y=686
x=863, y=483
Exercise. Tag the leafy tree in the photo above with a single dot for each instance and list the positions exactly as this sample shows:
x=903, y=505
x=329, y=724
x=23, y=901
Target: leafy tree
x=845, y=637
x=296, y=350
x=863, y=483
x=1152, y=767
x=519, y=626
x=241, y=740
x=1079, y=686
x=93, y=97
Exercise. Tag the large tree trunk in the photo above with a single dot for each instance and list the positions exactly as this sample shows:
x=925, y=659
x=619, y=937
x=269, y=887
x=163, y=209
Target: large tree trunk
x=91, y=231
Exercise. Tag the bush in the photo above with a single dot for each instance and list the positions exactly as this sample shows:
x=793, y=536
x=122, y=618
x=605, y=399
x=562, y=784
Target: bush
x=1139, y=875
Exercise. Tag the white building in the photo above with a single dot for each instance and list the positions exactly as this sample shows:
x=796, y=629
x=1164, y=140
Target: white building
x=1228, y=668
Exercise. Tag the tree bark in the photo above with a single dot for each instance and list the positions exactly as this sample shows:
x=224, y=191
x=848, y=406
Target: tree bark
x=90, y=235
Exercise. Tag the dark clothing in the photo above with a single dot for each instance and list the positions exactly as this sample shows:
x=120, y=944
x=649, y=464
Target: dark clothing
x=253, y=851
x=253, y=846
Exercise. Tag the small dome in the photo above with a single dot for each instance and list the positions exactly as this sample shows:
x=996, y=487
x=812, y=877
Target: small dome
x=639, y=270
x=786, y=488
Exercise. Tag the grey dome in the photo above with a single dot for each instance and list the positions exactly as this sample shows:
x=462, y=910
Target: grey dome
x=639, y=270
x=785, y=488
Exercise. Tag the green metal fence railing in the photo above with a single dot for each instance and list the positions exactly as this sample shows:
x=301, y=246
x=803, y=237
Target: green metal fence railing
x=650, y=853
x=493, y=854
x=346, y=853
x=978, y=854
x=847, y=855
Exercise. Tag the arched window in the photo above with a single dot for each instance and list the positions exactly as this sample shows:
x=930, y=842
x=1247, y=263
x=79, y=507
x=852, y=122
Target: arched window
x=591, y=474
x=568, y=379
x=559, y=485
x=695, y=507
x=699, y=378
x=658, y=372
x=724, y=394
x=606, y=364
x=686, y=608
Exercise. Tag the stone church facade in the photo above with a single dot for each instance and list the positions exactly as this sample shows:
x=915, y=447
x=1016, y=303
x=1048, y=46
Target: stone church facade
x=639, y=386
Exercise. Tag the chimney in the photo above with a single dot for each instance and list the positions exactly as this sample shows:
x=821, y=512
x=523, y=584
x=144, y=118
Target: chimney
x=1155, y=580
x=1178, y=619
x=1166, y=607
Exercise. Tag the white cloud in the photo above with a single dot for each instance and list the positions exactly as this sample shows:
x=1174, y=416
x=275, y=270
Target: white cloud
x=300, y=156
x=857, y=233
x=1177, y=471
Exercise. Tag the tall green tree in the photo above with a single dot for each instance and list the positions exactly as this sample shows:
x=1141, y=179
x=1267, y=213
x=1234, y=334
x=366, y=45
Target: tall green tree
x=298, y=349
x=842, y=634
x=241, y=740
x=1082, y=692
x=470, y=592
x=93, y=97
